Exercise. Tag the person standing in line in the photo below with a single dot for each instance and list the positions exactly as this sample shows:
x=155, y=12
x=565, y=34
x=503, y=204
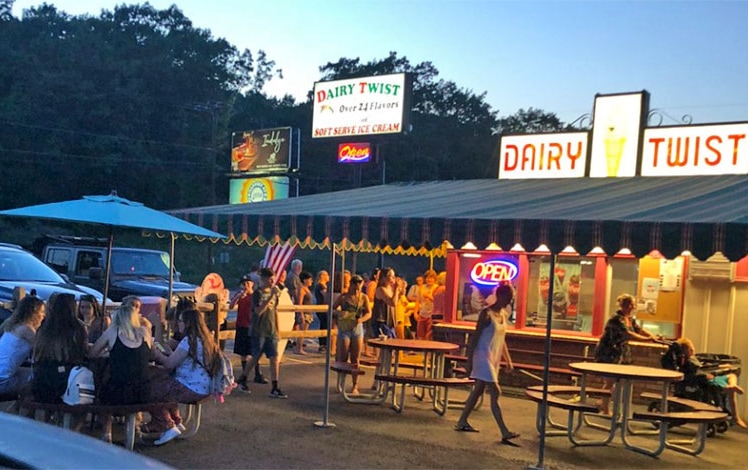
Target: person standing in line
x=264, y=329
x=304, y=319
x=385, y=300
x=292, y=282
x=613, y=347
x=414, y=295
x=352, y=310
x=320, y=298
x=242, y=301
x=486, y=349
x=426, y=306
x=440, y=301
x=370, y=291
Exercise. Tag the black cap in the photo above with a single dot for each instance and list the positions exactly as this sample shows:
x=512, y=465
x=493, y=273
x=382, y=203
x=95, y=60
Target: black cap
x=245, y=278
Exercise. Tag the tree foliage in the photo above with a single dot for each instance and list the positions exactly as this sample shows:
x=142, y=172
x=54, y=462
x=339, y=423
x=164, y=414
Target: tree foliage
x=141, y=101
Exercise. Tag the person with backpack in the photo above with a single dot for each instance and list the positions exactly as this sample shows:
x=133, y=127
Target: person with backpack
x=61, y=345
x=195, y=361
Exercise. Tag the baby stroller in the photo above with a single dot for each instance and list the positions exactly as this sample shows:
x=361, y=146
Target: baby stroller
x=698, y=387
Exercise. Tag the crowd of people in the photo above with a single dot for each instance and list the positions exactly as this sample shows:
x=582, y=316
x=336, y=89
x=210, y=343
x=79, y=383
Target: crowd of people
x=135, y=360
x=42, y=342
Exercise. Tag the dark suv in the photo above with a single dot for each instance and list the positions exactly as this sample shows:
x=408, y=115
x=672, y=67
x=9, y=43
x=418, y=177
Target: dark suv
x=20, y=268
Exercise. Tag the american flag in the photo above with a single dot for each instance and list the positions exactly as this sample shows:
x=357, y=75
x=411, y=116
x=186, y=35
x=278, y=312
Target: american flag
x=277, y=257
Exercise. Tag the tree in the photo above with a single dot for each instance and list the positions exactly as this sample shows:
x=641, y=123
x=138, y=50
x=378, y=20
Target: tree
x=530, y=121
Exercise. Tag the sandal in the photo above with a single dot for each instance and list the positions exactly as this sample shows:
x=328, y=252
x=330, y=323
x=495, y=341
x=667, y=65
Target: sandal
x=466, y=428
x=507, y=440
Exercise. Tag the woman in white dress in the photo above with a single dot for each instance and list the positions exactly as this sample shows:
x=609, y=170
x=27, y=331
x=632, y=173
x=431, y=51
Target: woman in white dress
x=485, y=352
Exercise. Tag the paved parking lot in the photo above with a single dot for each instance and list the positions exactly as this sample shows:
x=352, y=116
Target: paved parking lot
x=256, y=431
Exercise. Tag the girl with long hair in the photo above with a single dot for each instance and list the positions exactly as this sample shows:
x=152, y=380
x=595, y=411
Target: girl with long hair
x=195, y=360
x=61, y=344
x=129, y=344
x=351, y=311
x=16, y=343
x=90, y=314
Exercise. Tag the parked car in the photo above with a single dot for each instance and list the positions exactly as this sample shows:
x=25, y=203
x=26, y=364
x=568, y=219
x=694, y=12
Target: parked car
x=20, y=268
x=31, y=444
x=135, y=271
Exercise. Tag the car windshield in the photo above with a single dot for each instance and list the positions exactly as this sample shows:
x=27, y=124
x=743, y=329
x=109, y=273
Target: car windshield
x=23, y=266
x=140, y=263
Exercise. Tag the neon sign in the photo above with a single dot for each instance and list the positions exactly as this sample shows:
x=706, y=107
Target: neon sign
x=492, y=272
x=354, y=153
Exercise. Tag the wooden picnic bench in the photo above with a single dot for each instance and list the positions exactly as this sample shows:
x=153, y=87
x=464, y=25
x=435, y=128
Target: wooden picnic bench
x=692, y=446
x=193, y=414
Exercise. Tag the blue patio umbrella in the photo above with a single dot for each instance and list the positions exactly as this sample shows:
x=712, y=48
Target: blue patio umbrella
x=114, y=211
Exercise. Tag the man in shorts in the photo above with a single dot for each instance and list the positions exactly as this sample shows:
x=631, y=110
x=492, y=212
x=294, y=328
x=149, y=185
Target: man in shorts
x=264, y=330
x=242, y=302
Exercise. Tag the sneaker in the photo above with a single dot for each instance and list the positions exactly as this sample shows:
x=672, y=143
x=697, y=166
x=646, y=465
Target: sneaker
x=167, y=436
x=260, y=379
x=243, y=387
x=277, y=393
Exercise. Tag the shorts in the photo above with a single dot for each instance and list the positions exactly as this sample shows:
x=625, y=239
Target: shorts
x=242, y=343
x=357, y=332
x=267, y=345
x=720, y=381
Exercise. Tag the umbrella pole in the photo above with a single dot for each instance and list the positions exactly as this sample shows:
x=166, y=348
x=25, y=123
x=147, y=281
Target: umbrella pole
x=108, y=268
x=171, y=271
x=325, y=423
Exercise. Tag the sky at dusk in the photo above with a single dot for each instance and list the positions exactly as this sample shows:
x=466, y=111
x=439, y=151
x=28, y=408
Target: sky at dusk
x=692, y=56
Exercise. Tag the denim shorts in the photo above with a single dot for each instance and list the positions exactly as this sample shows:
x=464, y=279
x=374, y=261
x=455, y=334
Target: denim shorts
x=357, y=332
x=267, y=345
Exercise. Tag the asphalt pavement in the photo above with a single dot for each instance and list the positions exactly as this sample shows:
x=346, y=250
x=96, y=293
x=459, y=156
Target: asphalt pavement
x=256, y=431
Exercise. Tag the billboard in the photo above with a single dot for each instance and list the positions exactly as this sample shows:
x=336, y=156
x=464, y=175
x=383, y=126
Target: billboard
x=561, y=155
x=262, y=151
x=361, y=106
x=354, y=152
x=244, y=190
x=617, y=123
x=695, y=150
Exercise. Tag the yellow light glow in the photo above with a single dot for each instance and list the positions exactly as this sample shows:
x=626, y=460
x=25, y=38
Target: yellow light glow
x=494, y=247
x=469, y=246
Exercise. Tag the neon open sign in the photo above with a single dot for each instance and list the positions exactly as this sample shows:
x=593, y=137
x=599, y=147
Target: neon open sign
x=492, y=272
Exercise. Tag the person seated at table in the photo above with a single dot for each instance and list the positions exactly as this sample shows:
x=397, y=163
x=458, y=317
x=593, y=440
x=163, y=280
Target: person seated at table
x=61, y=344
x=692, y=373
x=172, y=318
x=16, y=344
x=351, y=310
x=195, y=360
x=485, y=352
x=613, y=346
x=90, y=314
x=128, y=343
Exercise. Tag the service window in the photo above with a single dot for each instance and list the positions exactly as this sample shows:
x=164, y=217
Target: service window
x=573, y=293
x=478, y=275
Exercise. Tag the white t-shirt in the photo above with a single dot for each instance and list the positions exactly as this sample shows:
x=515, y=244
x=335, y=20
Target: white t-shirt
x=191, y=374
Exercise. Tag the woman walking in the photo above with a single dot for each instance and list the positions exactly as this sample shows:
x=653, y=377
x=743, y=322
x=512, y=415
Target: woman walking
x=486, y=349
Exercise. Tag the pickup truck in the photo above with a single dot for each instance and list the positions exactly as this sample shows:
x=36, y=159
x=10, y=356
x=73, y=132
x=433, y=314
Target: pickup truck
x=135, y=271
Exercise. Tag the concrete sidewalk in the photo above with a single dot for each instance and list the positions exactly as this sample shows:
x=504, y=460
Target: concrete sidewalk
x=256, y=431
